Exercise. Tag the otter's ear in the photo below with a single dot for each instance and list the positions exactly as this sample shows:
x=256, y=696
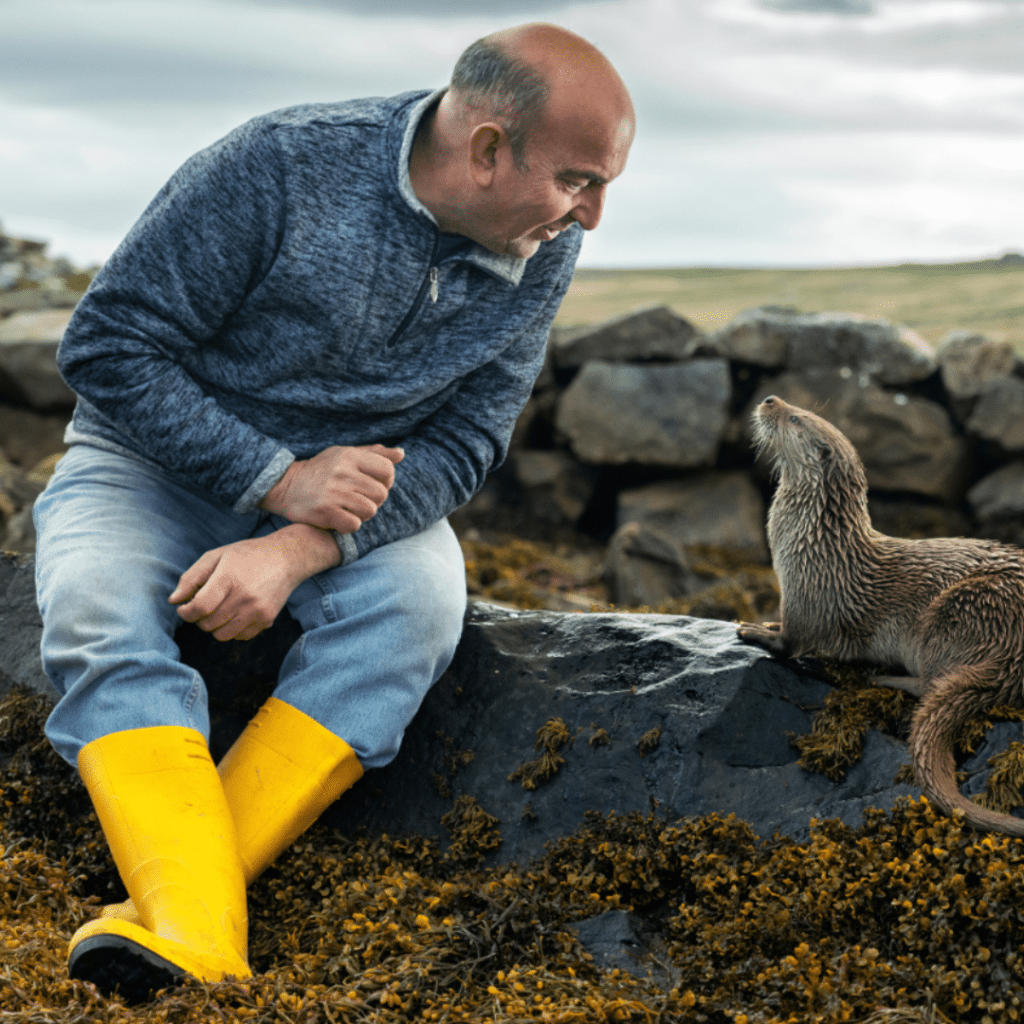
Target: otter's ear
x=826, y=451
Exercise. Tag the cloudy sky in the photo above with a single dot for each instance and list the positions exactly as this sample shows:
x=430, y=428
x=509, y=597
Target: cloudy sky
x=770, y=132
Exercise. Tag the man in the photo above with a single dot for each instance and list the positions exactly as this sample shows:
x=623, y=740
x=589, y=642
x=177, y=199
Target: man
x=310, y=349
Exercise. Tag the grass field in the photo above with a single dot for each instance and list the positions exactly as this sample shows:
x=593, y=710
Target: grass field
x=985, y=296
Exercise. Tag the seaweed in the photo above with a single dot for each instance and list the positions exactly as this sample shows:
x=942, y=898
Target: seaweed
x=551, y=737
x=909, y=919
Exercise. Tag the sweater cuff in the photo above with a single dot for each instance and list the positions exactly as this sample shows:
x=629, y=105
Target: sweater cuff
x=347, y=546
x=262, y=485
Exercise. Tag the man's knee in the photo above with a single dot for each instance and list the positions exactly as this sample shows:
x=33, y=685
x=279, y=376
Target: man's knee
x=431, y=589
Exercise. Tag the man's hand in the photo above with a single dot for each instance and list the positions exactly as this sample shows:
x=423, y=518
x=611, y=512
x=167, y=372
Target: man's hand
x=236, y=592
x=338, y=489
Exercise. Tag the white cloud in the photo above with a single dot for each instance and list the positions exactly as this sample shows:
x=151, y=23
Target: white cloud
x=765, y=135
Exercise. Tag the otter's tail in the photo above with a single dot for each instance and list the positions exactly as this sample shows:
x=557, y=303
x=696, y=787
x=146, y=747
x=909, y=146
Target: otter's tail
x=954, y=698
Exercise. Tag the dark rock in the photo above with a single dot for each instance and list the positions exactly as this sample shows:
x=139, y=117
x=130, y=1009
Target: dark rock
x=999, y=495
x=977, y=769
x=915, y=519
x=619, y=939
x=555, y=486
x=646, y=565
x=724, y=712
x=998, y=414
x=28, y=437
x=21, y=627
x=724, y=510
x=693, y=722
x=663, y=415
x=28, y=360
x=651, y=334
x=20, y=533
x=970, y=361
x=774, y=337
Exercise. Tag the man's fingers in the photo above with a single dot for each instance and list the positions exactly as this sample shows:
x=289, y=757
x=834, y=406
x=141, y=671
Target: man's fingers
x=222, y=616
x=361, y=505
x=247, y=634
x=337, y=489
x=229, y=631
x=205, y=603
x=393, y=455
x=340, y=521
x=379, y=462
x=194, y=577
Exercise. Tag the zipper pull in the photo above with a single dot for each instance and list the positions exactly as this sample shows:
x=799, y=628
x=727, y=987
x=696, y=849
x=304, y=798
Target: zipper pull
x=433, y=284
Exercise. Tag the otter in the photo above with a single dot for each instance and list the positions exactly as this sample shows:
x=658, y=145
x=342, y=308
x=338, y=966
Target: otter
x=949, y=611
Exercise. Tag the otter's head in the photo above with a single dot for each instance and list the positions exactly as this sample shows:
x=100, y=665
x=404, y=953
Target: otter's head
x=806, y=448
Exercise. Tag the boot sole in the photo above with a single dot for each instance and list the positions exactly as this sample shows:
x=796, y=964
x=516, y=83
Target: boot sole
x=115, y=963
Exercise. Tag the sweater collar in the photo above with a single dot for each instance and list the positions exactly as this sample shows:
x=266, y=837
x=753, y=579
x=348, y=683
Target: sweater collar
x=505, y=268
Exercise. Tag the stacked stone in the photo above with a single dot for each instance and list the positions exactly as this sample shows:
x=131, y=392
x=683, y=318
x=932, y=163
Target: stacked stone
x=38, y=294
x=649, y=417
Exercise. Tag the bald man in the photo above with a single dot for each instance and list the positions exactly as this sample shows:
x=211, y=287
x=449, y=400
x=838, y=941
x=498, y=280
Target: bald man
x=310, y=349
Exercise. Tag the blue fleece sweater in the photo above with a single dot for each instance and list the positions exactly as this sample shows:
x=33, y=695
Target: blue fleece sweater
x=278, y=297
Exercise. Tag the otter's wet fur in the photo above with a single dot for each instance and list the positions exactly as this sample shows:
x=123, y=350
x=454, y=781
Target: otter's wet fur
x=949, y=610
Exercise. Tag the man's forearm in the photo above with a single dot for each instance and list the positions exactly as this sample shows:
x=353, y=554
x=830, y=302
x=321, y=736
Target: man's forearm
x=237, y=591
x=308, y=548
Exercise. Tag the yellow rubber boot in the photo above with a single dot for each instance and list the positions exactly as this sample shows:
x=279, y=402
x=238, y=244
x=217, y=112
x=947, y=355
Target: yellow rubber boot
x=163, y=811
x=279, y=776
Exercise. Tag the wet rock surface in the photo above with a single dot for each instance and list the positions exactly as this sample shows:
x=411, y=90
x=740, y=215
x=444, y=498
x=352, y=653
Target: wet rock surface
x=665, y=712
x=656, y=712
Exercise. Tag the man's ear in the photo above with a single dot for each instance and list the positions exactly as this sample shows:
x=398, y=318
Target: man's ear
x=483, y=152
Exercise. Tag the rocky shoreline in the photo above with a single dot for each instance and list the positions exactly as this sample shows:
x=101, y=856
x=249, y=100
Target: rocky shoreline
x=571, y=829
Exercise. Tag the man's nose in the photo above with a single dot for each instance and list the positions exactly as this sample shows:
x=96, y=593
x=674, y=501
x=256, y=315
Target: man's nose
x=587, y=212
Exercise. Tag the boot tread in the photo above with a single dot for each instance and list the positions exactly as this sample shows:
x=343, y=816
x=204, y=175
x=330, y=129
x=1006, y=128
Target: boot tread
x=116, y=963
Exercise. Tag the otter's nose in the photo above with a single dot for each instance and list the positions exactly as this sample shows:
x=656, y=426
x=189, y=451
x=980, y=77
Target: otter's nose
x=770, y=400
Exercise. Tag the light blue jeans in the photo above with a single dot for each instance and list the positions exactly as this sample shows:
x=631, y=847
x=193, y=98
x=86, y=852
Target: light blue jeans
x=114, y=536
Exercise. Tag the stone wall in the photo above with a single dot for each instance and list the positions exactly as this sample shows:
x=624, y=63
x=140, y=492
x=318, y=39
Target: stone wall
x=639, y=431
x=38, y=294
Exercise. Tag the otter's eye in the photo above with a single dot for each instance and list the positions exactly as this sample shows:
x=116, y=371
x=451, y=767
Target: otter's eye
x=794, y=419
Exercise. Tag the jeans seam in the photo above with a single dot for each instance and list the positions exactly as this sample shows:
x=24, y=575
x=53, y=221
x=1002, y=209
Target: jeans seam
x=193, y=695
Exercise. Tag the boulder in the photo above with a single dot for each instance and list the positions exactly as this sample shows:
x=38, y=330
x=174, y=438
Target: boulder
x=28, y=437
x=968, y=362
x=907, y=443
x=10, y=272
x=18, y=492
x=999, y=495
x=647, y=564
x=773, y=336
x=21, y=627
x=556, y=487
x=664, y=415
x=544, y=716
x=724, y=510
x=651, y=334
x=998, y=413
x=28, y=359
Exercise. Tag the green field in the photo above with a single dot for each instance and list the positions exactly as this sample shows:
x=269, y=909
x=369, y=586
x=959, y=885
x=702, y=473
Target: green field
x=985, y=296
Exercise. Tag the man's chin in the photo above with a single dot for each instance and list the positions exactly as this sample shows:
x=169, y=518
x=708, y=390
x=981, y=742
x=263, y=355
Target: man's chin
x=522, y=248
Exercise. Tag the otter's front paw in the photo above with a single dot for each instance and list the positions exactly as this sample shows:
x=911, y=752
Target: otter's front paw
x=767, y=635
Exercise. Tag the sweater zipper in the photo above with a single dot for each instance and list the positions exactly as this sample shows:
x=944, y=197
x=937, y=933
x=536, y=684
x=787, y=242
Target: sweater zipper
x=430, y=281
